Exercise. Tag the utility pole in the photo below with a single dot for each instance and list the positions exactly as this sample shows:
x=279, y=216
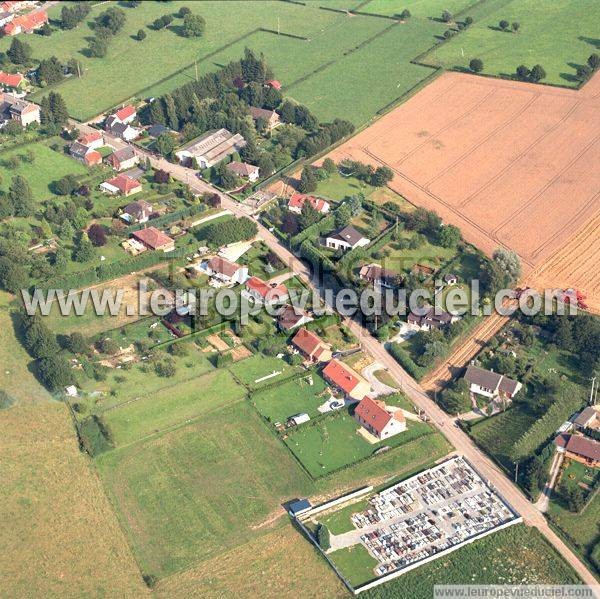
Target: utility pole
x=196, y=68
x=516, y=471
x=278, y=30
x=592, y=396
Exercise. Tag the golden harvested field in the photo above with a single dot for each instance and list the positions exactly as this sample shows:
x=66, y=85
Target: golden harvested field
x=512, y=164
x=280, y=564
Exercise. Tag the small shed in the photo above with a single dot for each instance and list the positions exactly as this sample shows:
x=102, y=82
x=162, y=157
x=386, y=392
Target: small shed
x=450, y=279
x=298, y=419
x=298, y=507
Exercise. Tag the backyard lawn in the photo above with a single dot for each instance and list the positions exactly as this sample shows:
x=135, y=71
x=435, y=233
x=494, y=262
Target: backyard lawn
x=256, y=367
x=172, y=406
x=332, y=442
x=47, y=166
x=278, y=403
x=558, y=35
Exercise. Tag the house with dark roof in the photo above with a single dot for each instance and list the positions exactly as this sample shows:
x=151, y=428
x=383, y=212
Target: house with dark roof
x=379, y=420
x=154, y=239
x=270, y=117
x=84, y=153
x=345, y=379
x=378, y=276
x=122, y=130
x=491, y=384
x=18, y=109
x=312, y=347
x=123, y=158
x=289, y=319
x=589, y=417
x=157, y=129
x=430, y=319
x=297, y=201
x=137, y=212
x=346, y=238
x=243, y=170
x=579, y=448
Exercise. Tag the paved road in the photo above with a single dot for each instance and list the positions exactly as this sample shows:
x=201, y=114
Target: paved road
x=446, y=424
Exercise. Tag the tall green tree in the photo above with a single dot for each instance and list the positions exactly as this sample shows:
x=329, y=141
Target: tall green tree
x=21, y=196
x=19, y=52
x=193, y=25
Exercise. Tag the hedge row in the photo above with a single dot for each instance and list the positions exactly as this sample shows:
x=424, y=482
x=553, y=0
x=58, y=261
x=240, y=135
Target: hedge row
x=403, y=358
x=105, y=272
x=169, y=218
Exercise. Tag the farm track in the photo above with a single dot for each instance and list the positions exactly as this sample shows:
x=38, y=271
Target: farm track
x=463, y=354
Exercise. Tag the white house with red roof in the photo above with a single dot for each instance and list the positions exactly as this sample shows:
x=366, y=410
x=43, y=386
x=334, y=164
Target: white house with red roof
x=379, y=420
x=93, y=139
x=12, y=80
x=154, y=239
x=312, y=346
x=26, y=23
x=345, y=379
x=274, y=83
x=225, y=272
x=297, y=201
x=264, y=293
x=121, y=185
x=126, y=114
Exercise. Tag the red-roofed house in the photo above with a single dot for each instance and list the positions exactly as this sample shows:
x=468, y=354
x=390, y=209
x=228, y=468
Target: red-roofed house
x=13, y=81
x=93, y=158
x=121, y=184
x=299, y=199
x=312, y=346
x=92, y=140
x=225, y=271
x=126, y=114
x=340, y=375
x=274, y=84
x=373, y=415
x=265, y=293
x=26, y=23
x=154, y=239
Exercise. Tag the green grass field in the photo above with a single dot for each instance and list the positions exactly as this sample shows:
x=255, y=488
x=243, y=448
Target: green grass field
x=558, y=35
x=517, y=555
x=338, y=70
x=187, y=495
x=258, y=366
x=356, y=563
x=140, y=380
x=425, y=9
x=332, y=443
x=48, y=166
x=278, y=403
x=172, y=406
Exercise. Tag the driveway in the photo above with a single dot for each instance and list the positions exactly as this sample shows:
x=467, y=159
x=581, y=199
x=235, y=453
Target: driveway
x=378, y=387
